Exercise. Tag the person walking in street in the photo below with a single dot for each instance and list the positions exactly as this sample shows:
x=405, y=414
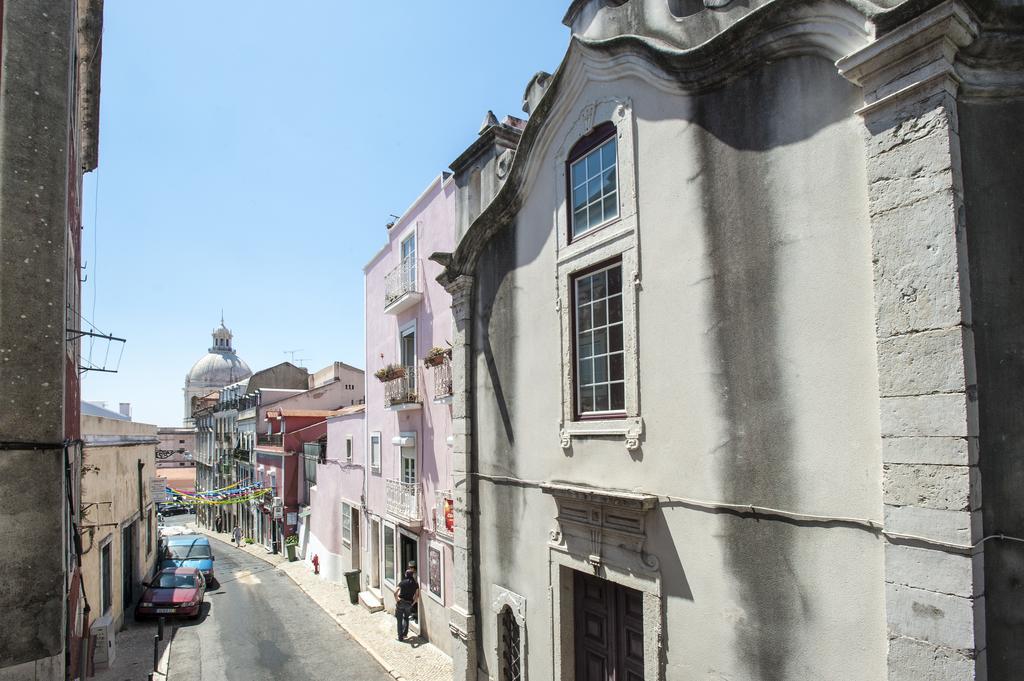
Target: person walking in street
x=236, y=534
x=407, y=594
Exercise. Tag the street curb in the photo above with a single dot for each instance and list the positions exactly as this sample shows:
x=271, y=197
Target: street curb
x=355, y=637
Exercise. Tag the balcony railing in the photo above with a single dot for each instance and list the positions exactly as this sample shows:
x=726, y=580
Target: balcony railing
x=400, y=393
x=444, y=508
x=273, y=439
x=400, y=287
x=443, y=380
x=403, y=500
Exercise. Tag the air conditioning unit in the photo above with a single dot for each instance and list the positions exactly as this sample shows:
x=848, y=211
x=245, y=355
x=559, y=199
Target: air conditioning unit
x=277, y=501
x=103, y=642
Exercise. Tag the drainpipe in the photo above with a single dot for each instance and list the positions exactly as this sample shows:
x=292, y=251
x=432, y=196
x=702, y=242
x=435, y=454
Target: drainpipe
x=462, y=619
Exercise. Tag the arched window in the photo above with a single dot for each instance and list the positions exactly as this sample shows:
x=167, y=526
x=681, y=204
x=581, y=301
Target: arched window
x=593, y=180
x=511, y=652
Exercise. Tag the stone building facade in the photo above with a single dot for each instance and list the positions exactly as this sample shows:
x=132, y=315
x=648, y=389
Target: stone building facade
x=119, y=534
x=737, y=342
x=50, y=55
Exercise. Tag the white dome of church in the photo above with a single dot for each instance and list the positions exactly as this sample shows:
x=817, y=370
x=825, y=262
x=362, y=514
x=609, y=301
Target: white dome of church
x=218, y=368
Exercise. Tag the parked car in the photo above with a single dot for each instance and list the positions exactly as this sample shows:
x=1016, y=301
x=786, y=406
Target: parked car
x=171, y=508
x=188, y=550
x=174, y=591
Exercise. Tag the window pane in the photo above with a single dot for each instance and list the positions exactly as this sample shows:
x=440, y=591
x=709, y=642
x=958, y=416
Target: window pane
x=579, y=172
x=593, y=163
x=585, y=319
x=579, y=197
x=618, y=397
x=608, y=154
x=601, y=398
x=586, y=400
x=595, y=215
x=579, y=221
x=583, y=290
x=600, y=369
x=600, y=341
x=587, y=371
x=611, y=206
x=608, y=181
x=600, y=285
x=615, y=366
x=600, y=313
x=389, y=553
x=614, y=307
x=593, y=190
x=615, y=280
x=586, y=348
x=615, y=338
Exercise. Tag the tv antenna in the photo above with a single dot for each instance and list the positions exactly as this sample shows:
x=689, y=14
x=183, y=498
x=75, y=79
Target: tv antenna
x=292, y=358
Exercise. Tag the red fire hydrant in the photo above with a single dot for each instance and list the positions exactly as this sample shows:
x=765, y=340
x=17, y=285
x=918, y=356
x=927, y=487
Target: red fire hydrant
x=316, y=564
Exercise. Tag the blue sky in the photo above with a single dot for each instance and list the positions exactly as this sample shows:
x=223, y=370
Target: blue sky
x=250, y=156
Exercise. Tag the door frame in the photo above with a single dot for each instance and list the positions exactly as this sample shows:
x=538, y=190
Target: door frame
x=635, y=575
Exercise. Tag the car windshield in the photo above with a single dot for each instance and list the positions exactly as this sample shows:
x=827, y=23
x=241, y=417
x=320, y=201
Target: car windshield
x=173, y=581
x=188, y=551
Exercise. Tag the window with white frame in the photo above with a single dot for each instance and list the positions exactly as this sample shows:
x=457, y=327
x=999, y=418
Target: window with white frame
x=593, y=180
x=348, y=448
x=375, y=451
x=389, y=552
x=600, y=359
x=346, y=524
x=600, y=374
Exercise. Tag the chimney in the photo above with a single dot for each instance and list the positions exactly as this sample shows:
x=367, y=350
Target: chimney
x=125, y=409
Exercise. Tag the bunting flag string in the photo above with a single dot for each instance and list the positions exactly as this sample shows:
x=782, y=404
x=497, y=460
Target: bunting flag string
x=232, y=494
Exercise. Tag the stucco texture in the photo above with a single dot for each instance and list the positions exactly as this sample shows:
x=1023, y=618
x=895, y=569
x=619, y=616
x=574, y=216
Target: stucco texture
x=757, y=380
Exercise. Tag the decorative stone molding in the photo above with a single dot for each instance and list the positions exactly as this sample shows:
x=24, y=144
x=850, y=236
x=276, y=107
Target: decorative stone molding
x=593, y=523
x=515, y=602
x=918, y=56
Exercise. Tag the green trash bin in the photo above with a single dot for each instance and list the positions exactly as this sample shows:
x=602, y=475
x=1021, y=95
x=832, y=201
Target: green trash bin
x=352, y=579
x=291, y=552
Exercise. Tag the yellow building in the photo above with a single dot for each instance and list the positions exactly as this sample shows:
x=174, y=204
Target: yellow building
x=119, y=530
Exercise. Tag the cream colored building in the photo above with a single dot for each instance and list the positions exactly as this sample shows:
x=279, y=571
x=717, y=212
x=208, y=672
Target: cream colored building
x=119, y=532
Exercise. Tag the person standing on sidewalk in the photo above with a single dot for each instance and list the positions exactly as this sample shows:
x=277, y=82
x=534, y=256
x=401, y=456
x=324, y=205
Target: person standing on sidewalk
x=236, y=534
x=407, y=593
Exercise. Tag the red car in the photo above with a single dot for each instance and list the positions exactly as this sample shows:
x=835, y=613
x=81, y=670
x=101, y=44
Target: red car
x=174, y=591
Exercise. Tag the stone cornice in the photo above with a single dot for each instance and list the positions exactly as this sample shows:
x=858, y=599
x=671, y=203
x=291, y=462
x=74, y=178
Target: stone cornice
x=921, y=51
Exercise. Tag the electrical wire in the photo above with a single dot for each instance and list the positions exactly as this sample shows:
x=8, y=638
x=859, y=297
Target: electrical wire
x=766, y=513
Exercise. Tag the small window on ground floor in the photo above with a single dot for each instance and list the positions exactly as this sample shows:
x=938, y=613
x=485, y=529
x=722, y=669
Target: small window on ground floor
x=346, y=524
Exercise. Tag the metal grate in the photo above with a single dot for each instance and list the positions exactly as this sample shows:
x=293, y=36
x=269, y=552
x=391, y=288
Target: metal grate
x=511, y=668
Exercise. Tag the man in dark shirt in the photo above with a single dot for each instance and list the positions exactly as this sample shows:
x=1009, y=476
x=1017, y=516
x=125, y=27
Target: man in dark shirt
x=407, y=593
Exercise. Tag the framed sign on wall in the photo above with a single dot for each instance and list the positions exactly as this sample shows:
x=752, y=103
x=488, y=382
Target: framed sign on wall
x=435, y=571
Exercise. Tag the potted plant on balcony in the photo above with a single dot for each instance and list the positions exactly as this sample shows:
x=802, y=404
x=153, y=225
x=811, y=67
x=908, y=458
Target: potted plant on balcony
x=291, y=543
x=390, y=373
x=435, y=356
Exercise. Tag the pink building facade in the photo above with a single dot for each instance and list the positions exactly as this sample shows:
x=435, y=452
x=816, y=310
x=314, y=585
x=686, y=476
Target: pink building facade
x=336, y=497
x=408, y=515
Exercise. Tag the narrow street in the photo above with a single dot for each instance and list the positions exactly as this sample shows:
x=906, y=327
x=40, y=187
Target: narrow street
x=257, y=624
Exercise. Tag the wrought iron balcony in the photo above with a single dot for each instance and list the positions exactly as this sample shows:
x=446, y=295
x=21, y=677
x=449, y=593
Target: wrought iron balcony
x=403, y=501
x=401, y=287
x=444, y=508
x=273, y=439
x=400, y=393
x=443, y=380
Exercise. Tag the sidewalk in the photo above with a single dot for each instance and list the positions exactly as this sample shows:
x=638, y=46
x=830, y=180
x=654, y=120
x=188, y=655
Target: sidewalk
x=409, y=661
x=133, y=658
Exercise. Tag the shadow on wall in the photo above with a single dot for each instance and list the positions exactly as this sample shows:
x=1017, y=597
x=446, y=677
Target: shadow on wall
x=767, y=109
x=993, y=176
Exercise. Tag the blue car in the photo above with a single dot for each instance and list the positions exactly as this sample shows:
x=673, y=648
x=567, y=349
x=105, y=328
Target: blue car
x=188, y=551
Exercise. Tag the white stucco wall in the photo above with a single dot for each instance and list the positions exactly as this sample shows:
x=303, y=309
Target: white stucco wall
x=757, y=380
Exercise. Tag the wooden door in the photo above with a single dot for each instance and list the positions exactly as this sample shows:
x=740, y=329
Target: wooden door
x=608, y=632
